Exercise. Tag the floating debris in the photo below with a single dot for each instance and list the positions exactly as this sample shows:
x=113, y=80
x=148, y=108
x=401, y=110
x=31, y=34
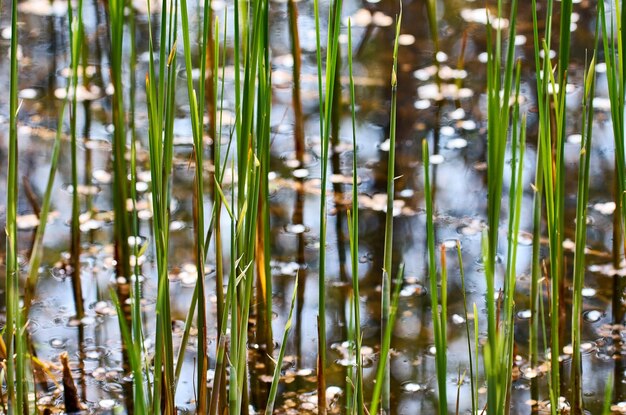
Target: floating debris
x=295, y=228
x=484, y=16
x=447, y=91
x=83, y=93
x=29, y=93
x=43, y=7
x=588, y=292
x=436, y=159
x=406, y=39
x=30, y=221
x=458, y=319
x=593, y=316
x=380, y=19
x=413, y=387
x=456, y=143
x=422, y=104
x=606, y=208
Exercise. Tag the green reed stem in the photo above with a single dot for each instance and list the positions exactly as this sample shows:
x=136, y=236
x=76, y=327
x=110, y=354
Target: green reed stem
x=197, y=114
x=281, y=354
x=581, y=236
x=438, y=304
x=37, y=251
x=499, y=86
x=161, y=112
x=615, y=61
x=467, y=328
x=385, y=345
x=353, y=220
x=388, y=248
x=14, y=382
x=332, y=52
x=76, y=41
x=120, y=193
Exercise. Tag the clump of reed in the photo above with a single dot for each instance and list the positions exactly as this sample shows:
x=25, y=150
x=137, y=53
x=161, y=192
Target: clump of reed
x=249, y=286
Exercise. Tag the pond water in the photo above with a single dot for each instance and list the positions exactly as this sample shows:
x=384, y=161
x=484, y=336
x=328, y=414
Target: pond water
x=453, y=119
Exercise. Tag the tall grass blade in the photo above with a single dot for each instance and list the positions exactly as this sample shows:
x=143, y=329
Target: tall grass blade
x=581, y=236
x=281, y=354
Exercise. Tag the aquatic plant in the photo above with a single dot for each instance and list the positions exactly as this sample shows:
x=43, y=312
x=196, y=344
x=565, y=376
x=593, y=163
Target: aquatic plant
x=501, y=81
x=161, y=112
x=613, y=39
x=241, y=202
x=581, y=235
x=13, y=340
x=326, y=110
x=438, y=301
x=76, y=40
x=353, y=227
x=551, y=150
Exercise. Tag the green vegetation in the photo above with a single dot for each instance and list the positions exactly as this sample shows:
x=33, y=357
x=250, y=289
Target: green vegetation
x=232, y=235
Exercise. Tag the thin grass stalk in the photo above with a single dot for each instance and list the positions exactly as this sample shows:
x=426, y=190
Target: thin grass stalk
x=332, y=51
x=467, y=327
x=299, y=137
x=499, y=86
x=437, y=304
x=553, y=163
x=515, y=212
x=138, y=336
x=353, y=220
x=214, y=225
x=385, y=345
x=581, y=236
x=120, y=195
x=388, y=247
x=281, y=354
x=562, y=68
x=249, y=164
x=219, y=394
x=14, y=381
x=37, y=251
x=76, y=41
x=536, y=261
x=160, y=99
x=431, y=7
x=615, y=60
x=608, y=392
x=547, y=169
x=264, y=276
x=197, y=114
x=134, y=354
x=477, y=349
